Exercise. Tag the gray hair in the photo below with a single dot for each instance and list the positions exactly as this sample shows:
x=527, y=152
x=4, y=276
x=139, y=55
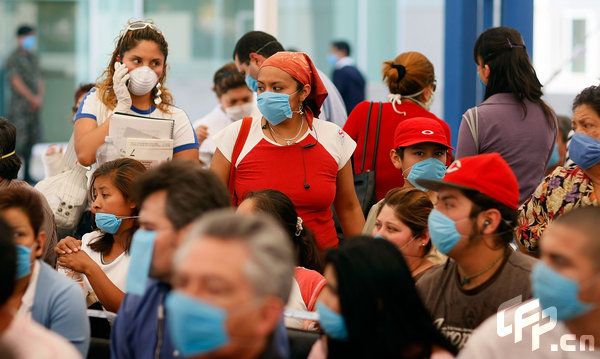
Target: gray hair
x=270, y=268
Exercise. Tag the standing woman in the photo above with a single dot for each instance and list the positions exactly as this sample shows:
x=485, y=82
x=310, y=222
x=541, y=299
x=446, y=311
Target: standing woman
x=289, y=149
x=513, y=120
x=133, y=83
x=411, y=81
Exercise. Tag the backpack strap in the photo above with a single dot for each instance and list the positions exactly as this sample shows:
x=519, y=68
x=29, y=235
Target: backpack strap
x=362, y=165
x=377, y=137
x=237, y=149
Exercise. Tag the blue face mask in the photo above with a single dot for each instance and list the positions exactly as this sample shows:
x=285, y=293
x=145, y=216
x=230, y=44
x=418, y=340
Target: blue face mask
x=584, y=150
x=554, y=158
x=108, y=222
x=196, y=327
x=251, y=83
x=332, y=323
x=142, y=247
x=274, y=106
x=442, y=230
x=23, y=261
x=332, y=59
x=29, y=42
x=430, y=168
x=556, y=290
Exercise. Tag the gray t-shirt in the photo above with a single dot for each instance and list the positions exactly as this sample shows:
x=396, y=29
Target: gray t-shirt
x=456, y=312
x=524, y=143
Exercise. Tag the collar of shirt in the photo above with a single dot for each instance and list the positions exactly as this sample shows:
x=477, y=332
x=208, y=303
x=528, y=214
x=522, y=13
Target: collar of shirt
x=344, y=61
x=27, y=300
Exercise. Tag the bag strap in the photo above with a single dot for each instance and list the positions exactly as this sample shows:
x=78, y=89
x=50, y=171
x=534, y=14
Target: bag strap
x=237, y=149
x=377, y=136
x=362, y=166
x=473, y=122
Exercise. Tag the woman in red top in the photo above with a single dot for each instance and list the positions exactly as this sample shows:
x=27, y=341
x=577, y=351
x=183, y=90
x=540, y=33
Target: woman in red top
x=290, y=150
x=411, y=81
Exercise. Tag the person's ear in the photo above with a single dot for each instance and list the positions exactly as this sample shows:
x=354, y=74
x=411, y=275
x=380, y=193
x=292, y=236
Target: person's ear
x=485, y=73
x=258, y=59
x=396, y=160
x=269, y=315
x=41, y=244
x=305, y=92
x=490, y=221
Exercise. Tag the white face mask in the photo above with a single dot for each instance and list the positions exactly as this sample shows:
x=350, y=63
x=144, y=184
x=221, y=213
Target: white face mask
x=238, y=112
x=142, y=80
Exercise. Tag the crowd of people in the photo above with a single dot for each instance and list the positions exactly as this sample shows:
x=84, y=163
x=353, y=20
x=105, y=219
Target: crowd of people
x=251, y=234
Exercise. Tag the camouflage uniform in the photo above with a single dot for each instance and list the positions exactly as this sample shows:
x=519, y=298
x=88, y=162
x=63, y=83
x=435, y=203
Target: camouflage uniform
x=26, y=66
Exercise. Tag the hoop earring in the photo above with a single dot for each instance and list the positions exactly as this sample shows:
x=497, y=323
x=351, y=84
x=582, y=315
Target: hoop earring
x=157, y=99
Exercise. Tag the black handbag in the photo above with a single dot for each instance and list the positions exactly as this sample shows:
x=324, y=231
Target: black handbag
x=364, y=182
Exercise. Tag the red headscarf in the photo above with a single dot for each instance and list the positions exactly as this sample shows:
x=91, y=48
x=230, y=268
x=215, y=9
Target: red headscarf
x=300, y=66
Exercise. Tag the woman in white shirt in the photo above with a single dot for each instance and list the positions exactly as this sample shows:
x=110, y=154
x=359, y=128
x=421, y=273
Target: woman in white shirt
x=103, y=255
x=236, y=101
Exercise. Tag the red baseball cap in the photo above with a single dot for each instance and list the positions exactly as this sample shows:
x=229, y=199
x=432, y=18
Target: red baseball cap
x=419, y=130
x=487, y=173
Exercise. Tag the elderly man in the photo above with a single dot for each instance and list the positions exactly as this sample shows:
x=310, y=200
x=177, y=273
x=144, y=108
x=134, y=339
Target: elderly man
x=233, y=276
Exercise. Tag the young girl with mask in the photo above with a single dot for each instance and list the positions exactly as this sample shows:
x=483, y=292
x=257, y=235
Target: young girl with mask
x=513, y=120
x=236, y=101
x=411, y=81
x=133, y=84
x=402, y=220
x=289, y=149
x=41, y=293
x=103, y=255
x=370, y=308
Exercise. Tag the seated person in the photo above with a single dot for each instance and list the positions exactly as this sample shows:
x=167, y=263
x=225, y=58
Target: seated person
x=421, y=150
x=473, y=225
x=10, y=163
x=566, y=188
x=233, y=276
x=308, y=282
x=103, y=255
x=21, y=337
x=236, y=101
x=170, y=197
x=402, y=220
x=566, y=285
x=369, y=307
x=41, y=293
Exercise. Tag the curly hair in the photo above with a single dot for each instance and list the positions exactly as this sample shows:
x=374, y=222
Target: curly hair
x=126, y=41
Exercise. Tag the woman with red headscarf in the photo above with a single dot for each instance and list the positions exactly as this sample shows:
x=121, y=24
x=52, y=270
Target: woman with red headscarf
x=289, y=149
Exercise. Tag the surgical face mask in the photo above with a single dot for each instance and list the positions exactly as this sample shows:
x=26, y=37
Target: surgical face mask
x=196, y=327
x=142, y=80
x=238, y=112
x=332, y=59
x=556, y=290
x=23, y=261
x=332, y=323
x=142, y=247
x=554, y=158
x=442, y=230
x=29, y=42
x=108, y=222
x=430, y=168
x=584, y=150
x=251, y=83
x=429, y=102
x=275, y=106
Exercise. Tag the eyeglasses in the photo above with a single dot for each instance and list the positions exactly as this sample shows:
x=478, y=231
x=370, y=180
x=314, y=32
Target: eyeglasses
x=139, y=25
x=434, y=84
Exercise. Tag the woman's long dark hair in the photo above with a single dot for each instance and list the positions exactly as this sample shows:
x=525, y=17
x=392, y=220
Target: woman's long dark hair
x=281, y=207
x=503, y=50
x=122, y=172
x=384, y=314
